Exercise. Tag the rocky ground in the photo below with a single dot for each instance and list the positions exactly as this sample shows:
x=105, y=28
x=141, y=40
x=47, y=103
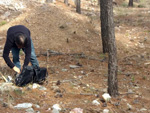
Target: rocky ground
x=76, y=65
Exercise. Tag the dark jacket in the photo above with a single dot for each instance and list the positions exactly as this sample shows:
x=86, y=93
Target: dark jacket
x=10, y=43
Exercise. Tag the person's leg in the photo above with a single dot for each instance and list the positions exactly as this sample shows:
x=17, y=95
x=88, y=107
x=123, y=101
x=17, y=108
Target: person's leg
x=15, y=53
x=33, y=58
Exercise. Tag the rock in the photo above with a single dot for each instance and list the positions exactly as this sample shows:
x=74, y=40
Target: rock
x=104, y=104
x=106, y=97
x=58, y=95
x=23, y=106
x=117, y=103
x=7, y=87
x=55, y=88
x=143, y=109
x=106, y=111
x=5, y=104
x=95, y=102
x=129, y=106
x=135, y=101
x=9, y=78
x=130, y=91
x=35, y=86
x=64, y=70
x=104, y=90
x=76, y=110
x=56, y=108
x=74, y=66
x=30, y=110
x=42, y=88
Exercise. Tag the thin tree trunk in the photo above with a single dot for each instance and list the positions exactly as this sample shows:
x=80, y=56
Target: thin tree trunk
x=66, y=2
x=78, y=6
x=98, y=2
x=49, y=1
x=130, y=3
x=104, y=23
x=112, y=62
x=109, y=44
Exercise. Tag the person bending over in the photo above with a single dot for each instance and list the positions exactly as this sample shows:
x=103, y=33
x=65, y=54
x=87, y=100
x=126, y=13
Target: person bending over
x=18, y=37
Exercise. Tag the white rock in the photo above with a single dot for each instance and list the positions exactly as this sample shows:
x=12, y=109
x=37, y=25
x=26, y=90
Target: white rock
x=129, y=106
x=106, y=111
x=56, y=108
x=35, y=86
x=9, y=78
x=76, y=110
x=95, y=102
x=74, y=66
x=30, y=110
x=42, y=88
x=106, y=97
x=64, y=70
x=143, y=109
x=23, y=106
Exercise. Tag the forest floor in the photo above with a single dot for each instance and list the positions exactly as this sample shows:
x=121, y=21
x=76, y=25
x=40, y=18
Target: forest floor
x=58, y=28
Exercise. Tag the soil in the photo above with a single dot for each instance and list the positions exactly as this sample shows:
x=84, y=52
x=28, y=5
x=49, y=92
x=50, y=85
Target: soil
x=57, y=27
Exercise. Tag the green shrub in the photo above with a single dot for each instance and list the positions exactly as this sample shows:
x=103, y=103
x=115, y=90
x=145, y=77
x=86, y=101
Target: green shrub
x=2, y=23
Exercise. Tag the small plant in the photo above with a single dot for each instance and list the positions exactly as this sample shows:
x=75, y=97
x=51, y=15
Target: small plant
x=141, y=6
x=124, y=4
x=132, y=79
x=144, y=77
x=2, y=23
x=102, y=55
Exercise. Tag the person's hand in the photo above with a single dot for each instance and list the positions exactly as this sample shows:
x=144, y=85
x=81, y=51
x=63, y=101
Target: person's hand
x=16, y=69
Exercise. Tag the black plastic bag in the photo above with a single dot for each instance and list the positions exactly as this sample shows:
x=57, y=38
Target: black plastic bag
x=40, y=74
x=31, y=74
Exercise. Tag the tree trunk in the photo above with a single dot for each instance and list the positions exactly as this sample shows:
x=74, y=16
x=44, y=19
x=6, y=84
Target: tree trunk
x=130, y=3
x=112, y=52
x=66, y=2
x=109, y=33
x=98, y=2
x=78, y=6
x=104, y=23
x=50, y=1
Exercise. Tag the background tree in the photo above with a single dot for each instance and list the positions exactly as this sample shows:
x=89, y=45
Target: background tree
x=78, y=6
x=104, y=23
x=50, y=1
x=98, y=2
x=66, y=2
x=108, y=36
x=130, y=3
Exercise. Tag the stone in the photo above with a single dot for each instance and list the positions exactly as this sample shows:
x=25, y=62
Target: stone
x=76, y=110
x=64, y=70
x=74, y=66
x=95, y=102
x=30, y=110
x=23, y=106
x=143, y=109
x=106, y=97
x=7, y=87
x=106, y=111
x=129, y=106
x=56, y=108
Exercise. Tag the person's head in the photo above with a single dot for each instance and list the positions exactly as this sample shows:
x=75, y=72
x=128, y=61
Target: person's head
x=20, y=40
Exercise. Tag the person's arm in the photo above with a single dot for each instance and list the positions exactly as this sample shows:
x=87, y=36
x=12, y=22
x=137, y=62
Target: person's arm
x=6, y=51
x=27, y=52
